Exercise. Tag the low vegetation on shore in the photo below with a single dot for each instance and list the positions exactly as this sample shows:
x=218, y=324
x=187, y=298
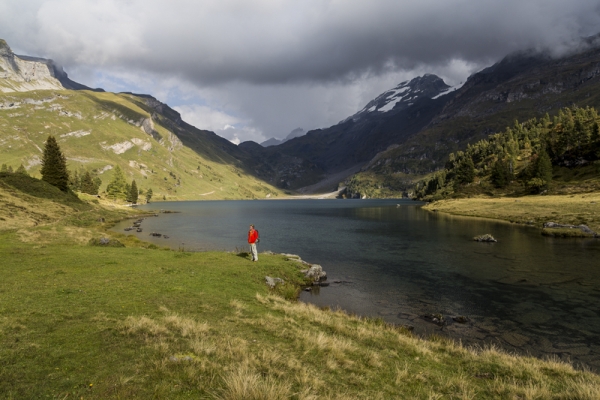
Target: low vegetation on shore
x=83, y=321
x=579, y=209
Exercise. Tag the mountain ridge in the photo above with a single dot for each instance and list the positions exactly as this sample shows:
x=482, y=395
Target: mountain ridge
x=98, y=130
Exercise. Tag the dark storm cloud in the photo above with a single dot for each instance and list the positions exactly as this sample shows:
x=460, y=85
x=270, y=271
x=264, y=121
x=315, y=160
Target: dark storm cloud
x=212, y=42
x=253, y=69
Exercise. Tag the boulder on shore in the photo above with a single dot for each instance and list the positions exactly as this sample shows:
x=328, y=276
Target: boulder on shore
x=315, y=273
x=583, y=228
x=272, y=282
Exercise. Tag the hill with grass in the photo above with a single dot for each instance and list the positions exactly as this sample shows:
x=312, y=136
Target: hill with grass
x=98, y=131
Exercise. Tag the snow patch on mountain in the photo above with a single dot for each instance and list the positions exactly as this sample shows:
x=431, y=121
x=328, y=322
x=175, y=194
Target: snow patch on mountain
x=405, y=95
x=449, y=90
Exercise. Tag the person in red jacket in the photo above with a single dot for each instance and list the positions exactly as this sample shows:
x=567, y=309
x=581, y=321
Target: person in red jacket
x=252, y=240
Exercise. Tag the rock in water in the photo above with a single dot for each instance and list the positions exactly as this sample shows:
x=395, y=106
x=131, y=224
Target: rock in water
x=485, y=238
x=315, y=273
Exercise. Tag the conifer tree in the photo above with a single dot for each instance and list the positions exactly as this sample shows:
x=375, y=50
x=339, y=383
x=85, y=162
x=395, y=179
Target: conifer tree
x=543, y=169
x=465, y=173
x=87, y=184
x=117, y=188
x=75, y=181
x=133, y=193
x=148, y=195
x=10, y=169
x=595, y=132
x=54, y=165
x=500, y=174
x=22, y=170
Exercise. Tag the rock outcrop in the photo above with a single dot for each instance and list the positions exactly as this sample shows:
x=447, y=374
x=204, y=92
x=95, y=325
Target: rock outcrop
x=24, y=73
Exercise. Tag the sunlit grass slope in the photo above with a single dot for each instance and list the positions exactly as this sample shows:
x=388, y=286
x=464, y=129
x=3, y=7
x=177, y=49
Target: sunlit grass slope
x=81, y=321
x=98, y=131
x=573, y=209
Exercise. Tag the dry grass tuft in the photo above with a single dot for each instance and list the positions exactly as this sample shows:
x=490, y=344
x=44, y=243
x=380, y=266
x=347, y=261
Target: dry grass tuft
x=186, y=327
x=244, y=383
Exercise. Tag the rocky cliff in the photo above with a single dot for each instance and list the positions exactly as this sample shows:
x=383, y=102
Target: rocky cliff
x=24, y=73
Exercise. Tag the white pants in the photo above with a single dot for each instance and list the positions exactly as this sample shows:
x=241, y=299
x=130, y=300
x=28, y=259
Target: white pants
x=253, y=251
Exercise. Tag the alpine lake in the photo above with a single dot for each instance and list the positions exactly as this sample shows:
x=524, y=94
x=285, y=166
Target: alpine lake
x=527, y=294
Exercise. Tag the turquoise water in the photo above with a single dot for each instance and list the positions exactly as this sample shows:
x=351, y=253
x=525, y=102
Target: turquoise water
x=391, y=259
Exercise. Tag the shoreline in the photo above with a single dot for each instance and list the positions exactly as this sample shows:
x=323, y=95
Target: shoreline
x=534, y=211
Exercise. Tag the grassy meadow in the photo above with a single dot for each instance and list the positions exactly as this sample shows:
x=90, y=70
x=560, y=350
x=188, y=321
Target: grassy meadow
x=574, y=209
x=98, y=322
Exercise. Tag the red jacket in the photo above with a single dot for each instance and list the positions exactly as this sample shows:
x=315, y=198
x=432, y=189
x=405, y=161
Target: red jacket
x=252, y=236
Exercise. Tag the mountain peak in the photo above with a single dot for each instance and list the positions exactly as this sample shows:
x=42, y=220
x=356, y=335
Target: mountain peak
x=404, y=95
x=24, y=73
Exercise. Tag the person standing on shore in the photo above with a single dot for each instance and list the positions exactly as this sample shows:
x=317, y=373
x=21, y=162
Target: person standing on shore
x=253, y=239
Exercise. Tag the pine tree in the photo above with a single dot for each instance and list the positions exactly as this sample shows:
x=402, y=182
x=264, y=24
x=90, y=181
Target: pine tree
x=75, y=181
x=54, y=165
x=595, y=132
x=117, y=188
x=133, y=193
x=465, y=172
x=87, y=184
x=148, y=195
x=22, y=170
x=501, y=174
x=10, y=169
x=543, y=168
x=539, y=172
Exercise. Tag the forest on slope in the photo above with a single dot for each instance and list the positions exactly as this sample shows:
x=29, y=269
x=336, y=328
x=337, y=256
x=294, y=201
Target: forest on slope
x=558, y=155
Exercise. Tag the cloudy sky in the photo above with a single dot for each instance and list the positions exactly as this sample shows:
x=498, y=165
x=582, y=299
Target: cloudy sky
x=255, y=69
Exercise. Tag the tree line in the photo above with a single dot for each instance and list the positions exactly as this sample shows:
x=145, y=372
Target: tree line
x=522, y=155
x=54, y=171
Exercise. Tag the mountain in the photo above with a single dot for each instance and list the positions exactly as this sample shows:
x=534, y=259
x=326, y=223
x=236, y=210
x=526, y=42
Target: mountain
x=521, y=86
x=343, y=148
x=98, y=130
x=408, y=131
x=274, y=142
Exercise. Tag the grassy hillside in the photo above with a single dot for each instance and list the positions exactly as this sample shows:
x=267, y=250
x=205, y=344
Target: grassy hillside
x=97, y=322
x=98, y=131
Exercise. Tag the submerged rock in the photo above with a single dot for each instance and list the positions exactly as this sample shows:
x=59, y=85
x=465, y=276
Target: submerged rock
x=461, y=319
x=437, y=319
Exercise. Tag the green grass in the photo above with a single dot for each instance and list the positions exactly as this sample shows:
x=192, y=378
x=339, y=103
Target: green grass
x=64, y=306
x=94, y=322
x=88, y=126
x=532, y=210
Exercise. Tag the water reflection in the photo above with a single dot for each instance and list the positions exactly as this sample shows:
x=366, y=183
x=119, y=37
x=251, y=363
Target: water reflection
x=526, y=293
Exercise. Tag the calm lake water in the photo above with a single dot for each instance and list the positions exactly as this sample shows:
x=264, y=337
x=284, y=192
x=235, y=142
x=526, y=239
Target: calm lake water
x=389, y=258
